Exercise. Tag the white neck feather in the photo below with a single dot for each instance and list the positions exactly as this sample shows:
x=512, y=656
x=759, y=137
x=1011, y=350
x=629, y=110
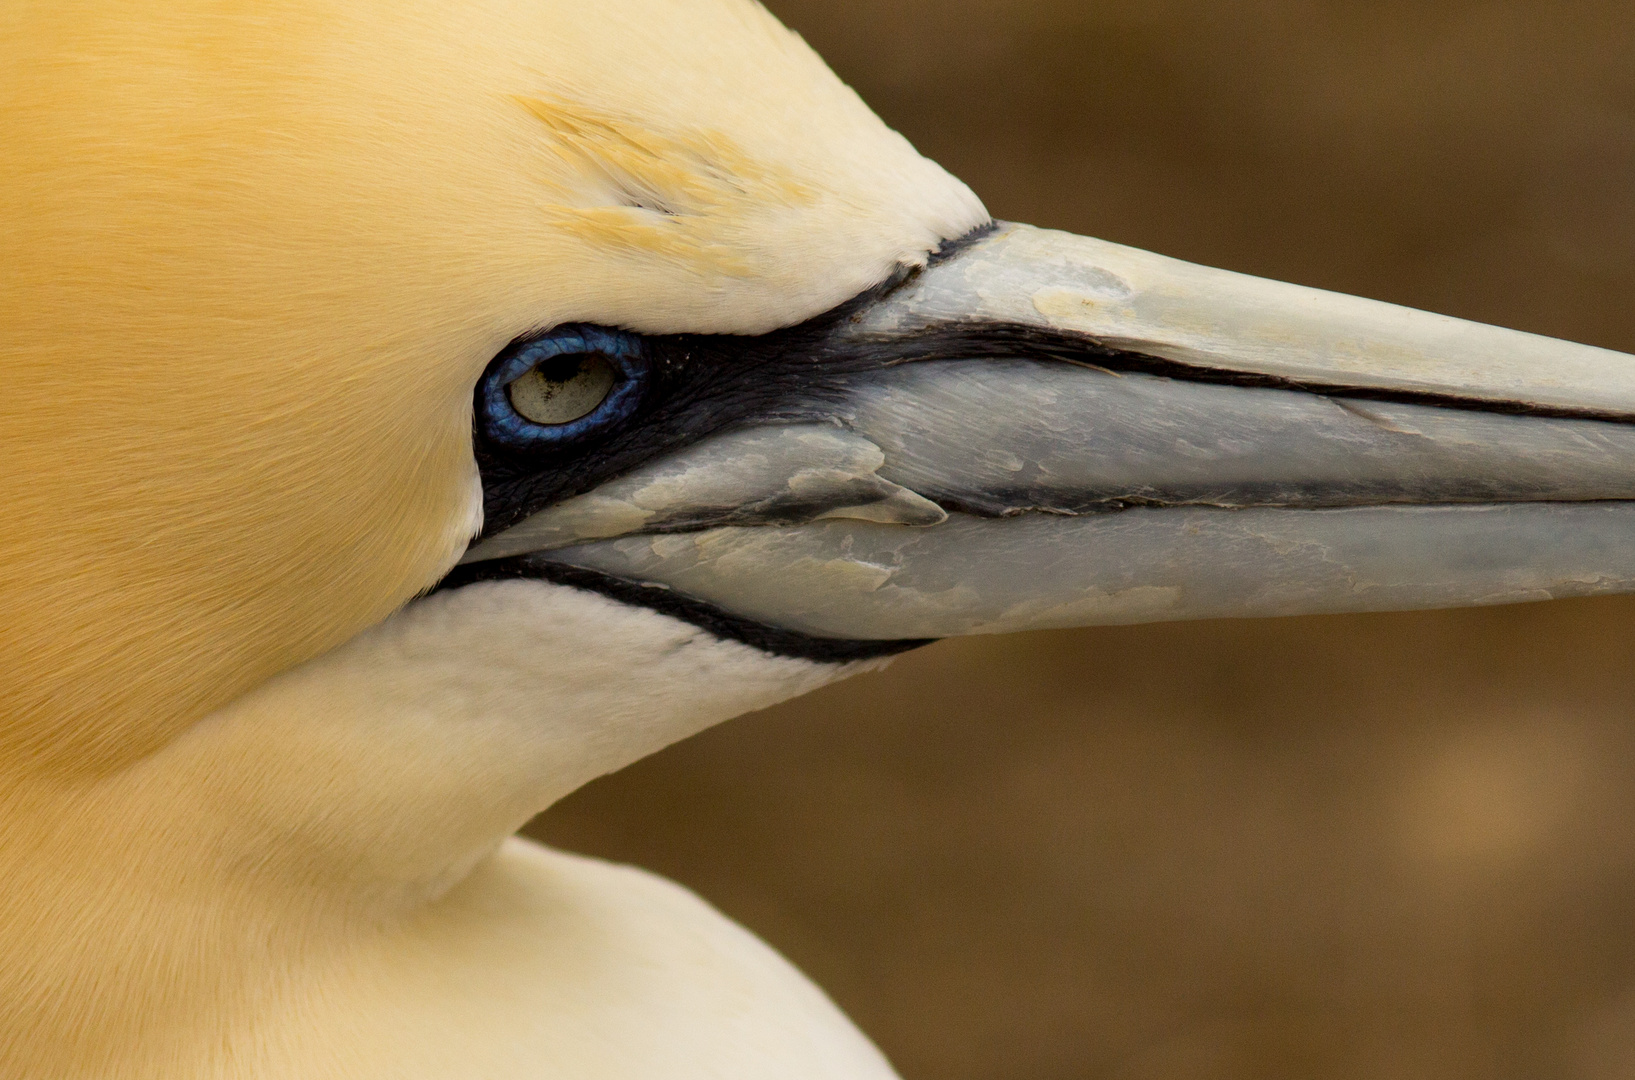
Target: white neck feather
x=350, y=792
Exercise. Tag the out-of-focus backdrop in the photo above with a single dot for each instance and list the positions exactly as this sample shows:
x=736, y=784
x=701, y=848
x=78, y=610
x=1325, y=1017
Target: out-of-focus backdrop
x=1359, y=848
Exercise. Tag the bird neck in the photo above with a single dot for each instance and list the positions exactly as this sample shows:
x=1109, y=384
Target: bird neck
x=160, y=909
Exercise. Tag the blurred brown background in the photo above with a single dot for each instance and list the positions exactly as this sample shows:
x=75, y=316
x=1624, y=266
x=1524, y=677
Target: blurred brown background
x=1366, y=848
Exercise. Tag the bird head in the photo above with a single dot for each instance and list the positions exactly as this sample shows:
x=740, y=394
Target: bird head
x=258, y=259
x=426, y=398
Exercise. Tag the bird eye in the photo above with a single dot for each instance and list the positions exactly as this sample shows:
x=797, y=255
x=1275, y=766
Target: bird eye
x=562, y=386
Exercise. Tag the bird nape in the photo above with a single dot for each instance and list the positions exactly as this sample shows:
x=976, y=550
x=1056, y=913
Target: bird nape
x=504, y=390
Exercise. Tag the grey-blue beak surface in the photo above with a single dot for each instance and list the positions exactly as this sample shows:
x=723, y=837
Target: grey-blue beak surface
x=1138, y=439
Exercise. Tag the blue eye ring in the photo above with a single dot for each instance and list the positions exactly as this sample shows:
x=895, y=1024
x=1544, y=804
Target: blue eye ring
x=622, y=351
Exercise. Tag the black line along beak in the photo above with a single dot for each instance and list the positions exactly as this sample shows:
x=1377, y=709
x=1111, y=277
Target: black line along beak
x=1063, y=432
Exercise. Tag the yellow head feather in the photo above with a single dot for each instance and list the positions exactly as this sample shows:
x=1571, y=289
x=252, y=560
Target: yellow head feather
x=256, y=255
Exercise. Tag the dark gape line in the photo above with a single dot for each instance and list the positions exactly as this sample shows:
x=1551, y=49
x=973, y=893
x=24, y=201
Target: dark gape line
x=988, y=340
x=687, y=387
x=695, y=385
x=704, y=384
x=708, y=617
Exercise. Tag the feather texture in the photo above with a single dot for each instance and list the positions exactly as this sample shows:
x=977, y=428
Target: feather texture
x=257, y=254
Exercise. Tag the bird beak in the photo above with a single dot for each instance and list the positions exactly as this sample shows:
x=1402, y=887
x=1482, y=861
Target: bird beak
x=1060, y=431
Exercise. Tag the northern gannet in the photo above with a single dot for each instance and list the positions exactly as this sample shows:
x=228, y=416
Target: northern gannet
x=679, y=385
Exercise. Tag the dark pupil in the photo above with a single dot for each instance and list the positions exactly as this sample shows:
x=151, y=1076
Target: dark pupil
x=561, y=369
